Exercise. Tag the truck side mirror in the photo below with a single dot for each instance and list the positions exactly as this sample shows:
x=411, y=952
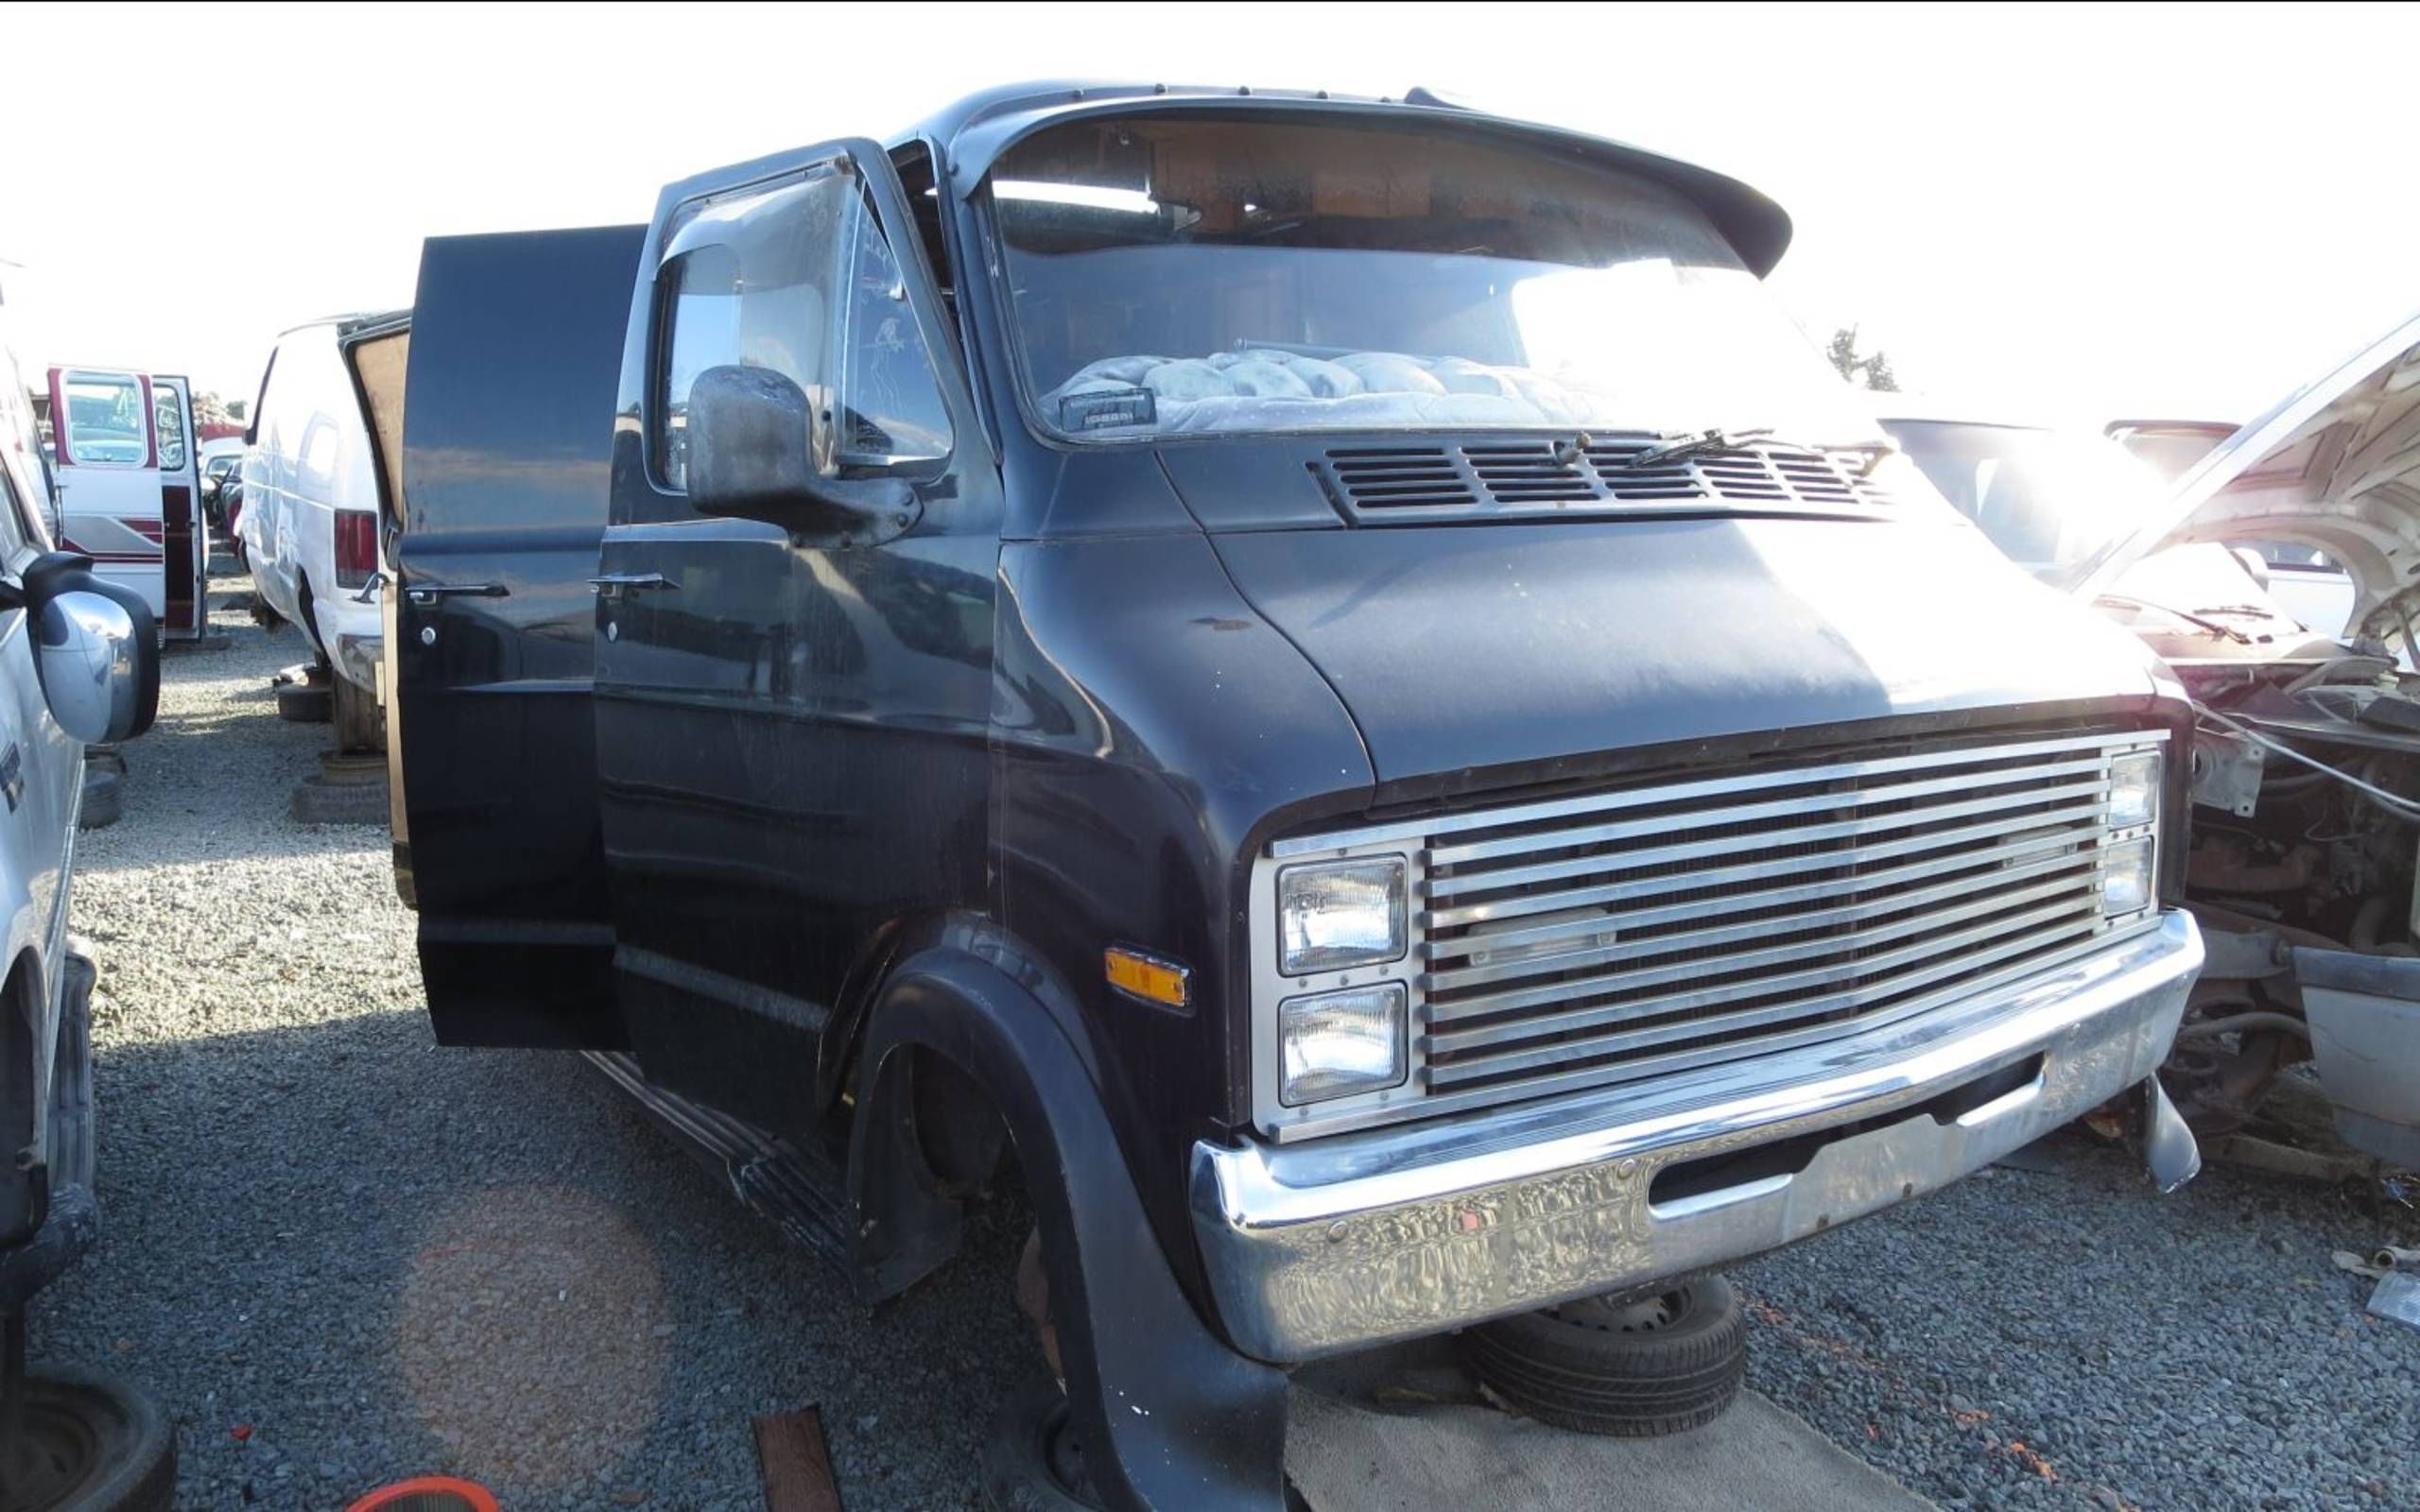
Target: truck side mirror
x=754, y=436
x=97, y=650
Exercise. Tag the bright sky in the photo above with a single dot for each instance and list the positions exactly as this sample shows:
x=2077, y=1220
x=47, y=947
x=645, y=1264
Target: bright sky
x=2082, y=210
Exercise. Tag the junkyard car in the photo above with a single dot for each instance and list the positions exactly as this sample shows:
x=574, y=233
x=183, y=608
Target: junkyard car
x=78, y=664
x=220, y=461
x=2287, y=858
x=308, y=520
x=1213, y=640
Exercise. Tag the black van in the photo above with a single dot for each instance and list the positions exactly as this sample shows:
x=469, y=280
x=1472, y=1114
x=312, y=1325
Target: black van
x=1328, y=675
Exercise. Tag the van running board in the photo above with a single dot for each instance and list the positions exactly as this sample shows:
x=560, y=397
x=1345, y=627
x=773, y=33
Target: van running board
x=798, y=1192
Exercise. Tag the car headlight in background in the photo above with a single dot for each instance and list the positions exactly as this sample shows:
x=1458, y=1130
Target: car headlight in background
x=2133, y=789
x=2126, y=877
x=1332, y=1044
x=1346, y=913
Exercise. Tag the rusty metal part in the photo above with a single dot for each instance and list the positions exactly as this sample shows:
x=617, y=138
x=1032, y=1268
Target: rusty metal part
x=2222, y=862
x=2326, y=1167
x=2249, y=1018
x=1033, y=1300
x=2244, y=955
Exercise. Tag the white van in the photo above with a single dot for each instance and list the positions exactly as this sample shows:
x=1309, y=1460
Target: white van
x=107, y=471
x=309, y=526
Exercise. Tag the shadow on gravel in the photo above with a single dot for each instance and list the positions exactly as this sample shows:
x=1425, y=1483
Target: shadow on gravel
x=374, y=1258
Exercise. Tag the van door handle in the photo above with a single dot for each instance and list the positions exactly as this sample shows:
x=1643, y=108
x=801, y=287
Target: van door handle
x=634, y=583
x=427, y=593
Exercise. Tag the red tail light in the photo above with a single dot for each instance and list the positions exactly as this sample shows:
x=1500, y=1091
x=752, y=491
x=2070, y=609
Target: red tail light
x=356, y=546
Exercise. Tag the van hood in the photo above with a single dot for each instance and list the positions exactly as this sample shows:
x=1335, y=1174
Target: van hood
x=2335, y=465
x=1456, y=649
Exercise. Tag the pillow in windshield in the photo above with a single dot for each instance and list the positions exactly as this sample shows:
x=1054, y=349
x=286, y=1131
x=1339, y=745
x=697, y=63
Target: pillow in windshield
x=1264, y=389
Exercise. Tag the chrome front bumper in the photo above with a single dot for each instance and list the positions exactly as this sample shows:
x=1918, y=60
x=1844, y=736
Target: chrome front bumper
x=1362, y=1239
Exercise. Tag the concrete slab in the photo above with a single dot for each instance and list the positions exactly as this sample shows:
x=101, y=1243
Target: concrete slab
x=1405, y=1431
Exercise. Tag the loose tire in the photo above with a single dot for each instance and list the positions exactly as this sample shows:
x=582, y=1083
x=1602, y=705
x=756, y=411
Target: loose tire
x=307, y=703
x=91, y=1444
x=104, y=799
x=1634, y=1368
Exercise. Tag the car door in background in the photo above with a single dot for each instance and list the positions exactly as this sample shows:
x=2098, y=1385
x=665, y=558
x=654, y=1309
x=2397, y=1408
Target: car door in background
x=185, y=552
x=109, y=477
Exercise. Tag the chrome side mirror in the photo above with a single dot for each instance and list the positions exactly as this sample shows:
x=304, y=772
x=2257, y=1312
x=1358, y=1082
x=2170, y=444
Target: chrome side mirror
x=96, y=649
x=91, y=666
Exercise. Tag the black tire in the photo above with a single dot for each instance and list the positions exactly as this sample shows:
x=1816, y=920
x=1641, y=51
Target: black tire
x=307, y=703
x=104, y=799
x=1632, y=1367
x=97, y=1446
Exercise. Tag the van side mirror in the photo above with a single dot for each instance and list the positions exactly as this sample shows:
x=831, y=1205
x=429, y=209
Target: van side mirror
x=97, y=650
x=753, y=437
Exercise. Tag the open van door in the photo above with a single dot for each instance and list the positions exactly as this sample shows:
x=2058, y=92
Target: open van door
x=512, y=366
x=108, y=476
x=183, y=548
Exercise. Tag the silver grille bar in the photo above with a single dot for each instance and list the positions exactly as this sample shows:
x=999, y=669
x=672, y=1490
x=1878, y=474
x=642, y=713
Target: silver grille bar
x=1732, y=845
x=1608, y=935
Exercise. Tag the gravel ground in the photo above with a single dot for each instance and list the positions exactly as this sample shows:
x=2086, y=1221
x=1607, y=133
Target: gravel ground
x=2070, y=1339
x=343, y=1256
x=371, y=1258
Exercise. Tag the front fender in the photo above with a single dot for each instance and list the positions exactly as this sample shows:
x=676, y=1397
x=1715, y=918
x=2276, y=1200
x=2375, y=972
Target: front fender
x=1194, y=1425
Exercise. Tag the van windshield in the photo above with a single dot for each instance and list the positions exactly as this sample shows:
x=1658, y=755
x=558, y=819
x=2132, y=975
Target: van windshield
x=1174, y=274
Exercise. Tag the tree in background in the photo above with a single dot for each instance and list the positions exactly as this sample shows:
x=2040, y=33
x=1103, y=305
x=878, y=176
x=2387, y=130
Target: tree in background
x=1871, y=371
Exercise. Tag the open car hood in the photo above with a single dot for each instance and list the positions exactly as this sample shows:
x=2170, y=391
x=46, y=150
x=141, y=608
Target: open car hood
x=2334, y=466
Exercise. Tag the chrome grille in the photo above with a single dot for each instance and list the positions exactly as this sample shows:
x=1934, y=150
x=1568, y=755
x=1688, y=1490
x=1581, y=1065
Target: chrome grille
x=1624, y=934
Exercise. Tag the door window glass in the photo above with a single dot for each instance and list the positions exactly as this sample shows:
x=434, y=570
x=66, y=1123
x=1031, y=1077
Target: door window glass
x=891, y=403
x=168, y=422
x=320, y=447
x=16, y=525
x=104, y=421
x=799, y=280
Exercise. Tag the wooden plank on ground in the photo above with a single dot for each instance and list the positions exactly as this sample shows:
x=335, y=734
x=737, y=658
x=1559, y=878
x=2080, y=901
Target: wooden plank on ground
x=796, y=1466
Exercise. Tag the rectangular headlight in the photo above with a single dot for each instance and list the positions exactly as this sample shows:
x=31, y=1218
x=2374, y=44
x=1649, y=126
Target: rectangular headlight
x=1332, y=1044
x=1341, y=914
x=2133, y=789
x=2126, y=877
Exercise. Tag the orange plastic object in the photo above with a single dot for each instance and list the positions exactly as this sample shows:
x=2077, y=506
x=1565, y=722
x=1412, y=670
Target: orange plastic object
x=429, y=1493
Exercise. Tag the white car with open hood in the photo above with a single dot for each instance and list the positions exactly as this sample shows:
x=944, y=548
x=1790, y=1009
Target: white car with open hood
x=2306, y=763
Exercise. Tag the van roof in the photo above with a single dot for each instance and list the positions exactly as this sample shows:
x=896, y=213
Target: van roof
x=974, y=131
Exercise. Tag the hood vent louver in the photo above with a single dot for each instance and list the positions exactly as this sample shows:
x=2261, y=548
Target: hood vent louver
x=1492, y=479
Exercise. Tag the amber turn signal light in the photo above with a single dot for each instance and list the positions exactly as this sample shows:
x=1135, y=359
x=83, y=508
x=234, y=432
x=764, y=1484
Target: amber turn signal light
x=1148, y=977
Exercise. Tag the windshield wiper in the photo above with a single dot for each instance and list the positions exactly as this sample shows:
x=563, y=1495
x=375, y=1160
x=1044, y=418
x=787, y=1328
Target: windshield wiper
x=2227, y=632
x=1684, y=448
